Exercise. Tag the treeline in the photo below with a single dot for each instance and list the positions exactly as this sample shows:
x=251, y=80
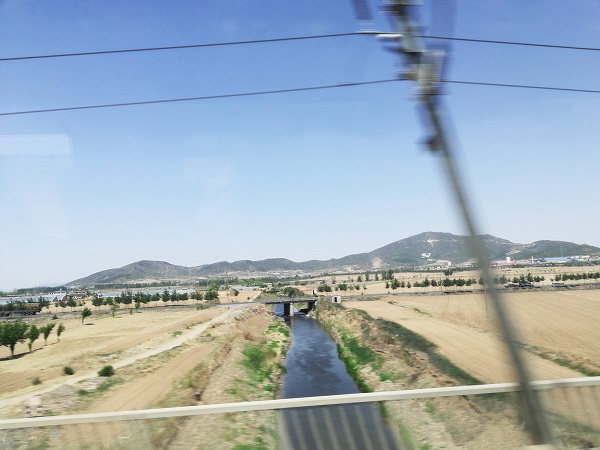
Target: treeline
x=12, y=333
x=139, y=298
x=577, y=276
x=30, y=305
x=341, y=287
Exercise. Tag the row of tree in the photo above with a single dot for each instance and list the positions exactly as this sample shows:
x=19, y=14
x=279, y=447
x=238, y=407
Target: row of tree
x=577, y=276
x=139, y=298
x=12, y=333
x=18, y=305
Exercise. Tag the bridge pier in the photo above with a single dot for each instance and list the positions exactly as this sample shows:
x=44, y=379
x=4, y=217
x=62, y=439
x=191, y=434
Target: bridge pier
x=287, y=308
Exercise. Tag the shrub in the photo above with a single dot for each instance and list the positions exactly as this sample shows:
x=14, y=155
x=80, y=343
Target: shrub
x=68, y=370
x=36, y=381
x=106, y=371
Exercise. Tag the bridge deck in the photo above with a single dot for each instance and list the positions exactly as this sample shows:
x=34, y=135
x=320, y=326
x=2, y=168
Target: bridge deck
x=278, y=301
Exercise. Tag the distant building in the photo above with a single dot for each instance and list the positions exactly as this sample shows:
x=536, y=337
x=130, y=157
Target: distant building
x=506, y=262
x=555, y=260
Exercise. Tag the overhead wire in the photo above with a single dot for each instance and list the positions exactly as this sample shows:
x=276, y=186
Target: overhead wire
x=526, y=44
x=523, y=86
x=284, y=91
x=205, y=97
x=284, y=39
x=178, y=47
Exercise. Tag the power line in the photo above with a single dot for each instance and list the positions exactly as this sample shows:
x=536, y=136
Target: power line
x=190, y=99
x=286, y=39
x=527, y=44
x=524, y=86
x=289, y=90
x=179, y=47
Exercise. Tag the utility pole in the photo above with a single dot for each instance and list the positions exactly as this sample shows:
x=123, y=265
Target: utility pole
x=424, y=68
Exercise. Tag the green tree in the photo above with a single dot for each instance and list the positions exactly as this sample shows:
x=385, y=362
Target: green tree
x=85, y=312
x=60, y=330
x=324, y=288
x=211, y=295
x=529, y=277
x=126, y=298
x=11, y=333
x=292, y=292
x=97, y=302
x=46, y=330
x=72, y=303
x=395, y=284
x=32, y=334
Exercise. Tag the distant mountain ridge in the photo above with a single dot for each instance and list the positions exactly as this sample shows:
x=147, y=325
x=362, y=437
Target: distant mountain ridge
x=423, y=248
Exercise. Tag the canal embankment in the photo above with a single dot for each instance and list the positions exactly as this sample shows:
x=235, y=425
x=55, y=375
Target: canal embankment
x=384, y=356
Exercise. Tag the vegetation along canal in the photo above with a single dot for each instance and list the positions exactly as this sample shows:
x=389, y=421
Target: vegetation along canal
x=313, y=369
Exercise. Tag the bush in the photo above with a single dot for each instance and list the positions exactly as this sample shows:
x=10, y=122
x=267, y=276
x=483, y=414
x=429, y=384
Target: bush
x=68, y=370
x=36, y=381
x=106, y=371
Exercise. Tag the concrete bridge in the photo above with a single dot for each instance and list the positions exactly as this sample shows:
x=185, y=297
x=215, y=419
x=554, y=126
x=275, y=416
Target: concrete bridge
x=288, y=301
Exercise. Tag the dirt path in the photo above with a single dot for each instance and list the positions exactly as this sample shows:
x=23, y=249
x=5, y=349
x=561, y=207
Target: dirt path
x=84, y=349
x=221, y=358
x=142, y=392
x=479, y=353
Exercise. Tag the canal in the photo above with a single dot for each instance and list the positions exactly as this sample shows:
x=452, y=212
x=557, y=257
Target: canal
x=314, y=369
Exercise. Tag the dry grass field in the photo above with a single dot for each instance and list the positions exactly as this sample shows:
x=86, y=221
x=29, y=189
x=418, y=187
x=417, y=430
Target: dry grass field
x=87, y=347
x=551, y=324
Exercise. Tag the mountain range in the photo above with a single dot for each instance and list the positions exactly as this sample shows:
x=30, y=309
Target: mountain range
x=418, y=250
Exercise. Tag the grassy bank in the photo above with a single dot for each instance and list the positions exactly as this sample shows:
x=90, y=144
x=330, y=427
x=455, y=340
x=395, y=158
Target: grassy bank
x=382, y=355
x=250, y=370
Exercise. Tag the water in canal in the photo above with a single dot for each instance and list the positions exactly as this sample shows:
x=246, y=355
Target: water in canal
x=313, y=369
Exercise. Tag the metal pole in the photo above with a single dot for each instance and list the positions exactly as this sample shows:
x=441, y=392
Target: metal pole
x=423, y=67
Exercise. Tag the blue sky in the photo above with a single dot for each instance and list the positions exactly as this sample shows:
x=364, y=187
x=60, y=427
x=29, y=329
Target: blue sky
x=307, y=175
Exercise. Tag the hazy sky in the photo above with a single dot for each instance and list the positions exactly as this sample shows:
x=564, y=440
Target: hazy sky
x=306, y=175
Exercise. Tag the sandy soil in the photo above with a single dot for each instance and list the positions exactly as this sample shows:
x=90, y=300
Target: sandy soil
x=100, y=341
x=212, y=357
x=564, y=322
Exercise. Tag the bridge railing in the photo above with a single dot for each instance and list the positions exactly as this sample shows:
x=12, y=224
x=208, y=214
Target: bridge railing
x=482, y=416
